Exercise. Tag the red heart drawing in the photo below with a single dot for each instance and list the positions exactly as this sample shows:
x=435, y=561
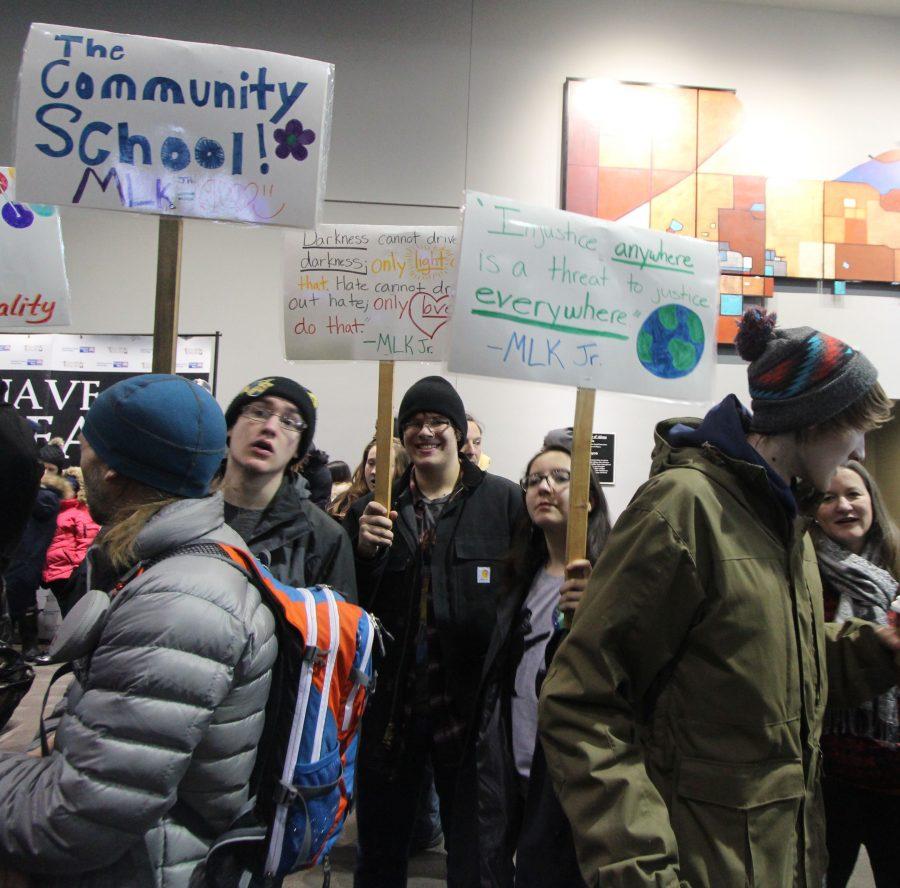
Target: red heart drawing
x=426, y=312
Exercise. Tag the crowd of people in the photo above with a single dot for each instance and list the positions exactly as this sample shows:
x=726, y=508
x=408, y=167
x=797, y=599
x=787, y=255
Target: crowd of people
x=708, y=697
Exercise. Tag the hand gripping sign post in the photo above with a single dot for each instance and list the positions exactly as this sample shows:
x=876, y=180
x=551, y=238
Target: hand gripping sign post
x=550, y=296
x=174, y=129
x=370, y=292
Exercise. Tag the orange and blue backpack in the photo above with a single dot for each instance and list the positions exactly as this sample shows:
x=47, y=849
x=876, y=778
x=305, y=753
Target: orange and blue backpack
x=306, y=764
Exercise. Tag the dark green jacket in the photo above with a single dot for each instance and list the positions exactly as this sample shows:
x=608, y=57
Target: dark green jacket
x=681, y=718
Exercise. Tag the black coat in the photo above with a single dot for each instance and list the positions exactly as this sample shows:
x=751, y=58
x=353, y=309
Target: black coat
x=497, y=821
x=301, y=545
x=473, y=533
x=23, y=576
x=20, y=477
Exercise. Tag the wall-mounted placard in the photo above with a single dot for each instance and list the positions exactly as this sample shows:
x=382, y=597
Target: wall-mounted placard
x=603, y=457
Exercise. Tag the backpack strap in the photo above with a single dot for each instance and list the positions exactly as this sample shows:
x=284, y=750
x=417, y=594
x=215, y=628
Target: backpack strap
x=334, y=643
x=65, y=669
x=276, y=844
x=361, y=678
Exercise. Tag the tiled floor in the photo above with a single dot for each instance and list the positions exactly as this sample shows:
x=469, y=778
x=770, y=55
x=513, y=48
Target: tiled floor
x=425, y=871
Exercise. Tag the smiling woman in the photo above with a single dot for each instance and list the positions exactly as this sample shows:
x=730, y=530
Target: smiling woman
x=857, y=547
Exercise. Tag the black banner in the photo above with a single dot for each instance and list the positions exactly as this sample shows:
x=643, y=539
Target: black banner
x=58, y=400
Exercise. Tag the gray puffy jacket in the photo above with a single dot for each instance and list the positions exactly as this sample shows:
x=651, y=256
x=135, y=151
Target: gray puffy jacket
x=159, y=736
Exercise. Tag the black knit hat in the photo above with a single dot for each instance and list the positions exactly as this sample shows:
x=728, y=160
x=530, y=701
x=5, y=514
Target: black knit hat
x=435, y=395
x=798, y=377
x=53, y=454
x=279, y=387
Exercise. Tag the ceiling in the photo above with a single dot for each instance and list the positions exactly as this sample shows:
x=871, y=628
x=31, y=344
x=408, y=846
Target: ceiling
x=857, y=7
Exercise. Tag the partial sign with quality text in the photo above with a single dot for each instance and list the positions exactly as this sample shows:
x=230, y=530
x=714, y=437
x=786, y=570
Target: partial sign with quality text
x=34, y=289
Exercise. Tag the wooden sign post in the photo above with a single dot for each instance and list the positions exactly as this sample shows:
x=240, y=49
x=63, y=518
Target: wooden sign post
x=580, y=483
x=168, y=292
x=579, y=486
x=384, y=435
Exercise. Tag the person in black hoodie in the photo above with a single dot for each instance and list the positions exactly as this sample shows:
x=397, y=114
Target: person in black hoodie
x=23, y=575
x=270, y=428
x=20, y=480
x=430, y=571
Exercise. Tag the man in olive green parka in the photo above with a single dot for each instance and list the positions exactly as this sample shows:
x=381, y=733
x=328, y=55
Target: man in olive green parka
x=681, y=717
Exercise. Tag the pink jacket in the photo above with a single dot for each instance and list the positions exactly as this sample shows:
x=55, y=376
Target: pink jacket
x=75, y=531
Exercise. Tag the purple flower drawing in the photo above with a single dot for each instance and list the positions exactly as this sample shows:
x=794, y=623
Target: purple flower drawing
x=292, y=140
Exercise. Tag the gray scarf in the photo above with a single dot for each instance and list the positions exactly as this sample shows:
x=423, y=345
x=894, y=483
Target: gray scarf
x=866, y=591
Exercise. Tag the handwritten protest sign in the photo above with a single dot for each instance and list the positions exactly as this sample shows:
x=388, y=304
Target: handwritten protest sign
x=34, y=290
x=556, y=297
x=369, y=292
x=117, y=121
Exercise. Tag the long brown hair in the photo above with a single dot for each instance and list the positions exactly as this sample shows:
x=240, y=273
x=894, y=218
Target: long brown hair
x=883, y=536
x=118, y=538
x=358, y=486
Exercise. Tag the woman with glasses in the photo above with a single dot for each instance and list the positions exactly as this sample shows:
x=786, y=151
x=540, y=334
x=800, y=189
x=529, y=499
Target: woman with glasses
x=857, y=547
x=517, y=811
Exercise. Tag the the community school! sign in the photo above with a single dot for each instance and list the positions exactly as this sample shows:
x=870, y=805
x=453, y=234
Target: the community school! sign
x=556, y=297
x=148, y=125
x=53, y=379
x=369, y=292
x=34, y=290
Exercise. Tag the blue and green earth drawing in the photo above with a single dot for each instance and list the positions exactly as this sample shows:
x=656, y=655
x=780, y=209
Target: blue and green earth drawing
x=670, y=342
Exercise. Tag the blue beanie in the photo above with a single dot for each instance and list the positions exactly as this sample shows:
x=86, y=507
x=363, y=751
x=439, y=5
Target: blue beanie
x=163, y=431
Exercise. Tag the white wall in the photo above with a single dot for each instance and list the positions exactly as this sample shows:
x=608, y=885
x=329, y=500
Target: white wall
x=413, y=126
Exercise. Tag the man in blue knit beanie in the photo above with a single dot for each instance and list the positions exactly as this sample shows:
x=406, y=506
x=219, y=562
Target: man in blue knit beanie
x=153, y=755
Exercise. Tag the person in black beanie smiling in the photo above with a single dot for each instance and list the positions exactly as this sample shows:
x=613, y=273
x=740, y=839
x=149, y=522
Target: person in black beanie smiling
x=429, y=569
x=271, y=423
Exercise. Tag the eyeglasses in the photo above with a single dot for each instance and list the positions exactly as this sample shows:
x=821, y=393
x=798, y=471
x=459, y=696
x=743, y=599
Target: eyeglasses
x=555, y=478
x=258, y=413
x=437, y=424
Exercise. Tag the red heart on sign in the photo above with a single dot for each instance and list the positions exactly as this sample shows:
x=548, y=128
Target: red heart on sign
x=427, y=313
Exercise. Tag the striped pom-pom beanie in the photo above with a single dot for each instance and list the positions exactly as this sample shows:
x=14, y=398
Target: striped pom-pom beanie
x=798, y=377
